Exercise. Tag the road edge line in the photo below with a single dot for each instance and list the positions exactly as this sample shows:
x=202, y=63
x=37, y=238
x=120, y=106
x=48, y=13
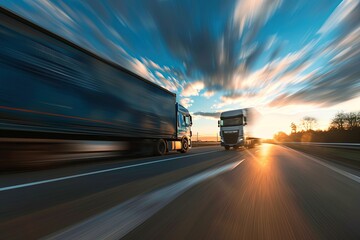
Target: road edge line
x=323, y=163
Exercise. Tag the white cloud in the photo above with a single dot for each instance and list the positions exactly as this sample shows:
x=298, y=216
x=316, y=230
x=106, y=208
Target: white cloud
x=186, y=102
x=145, y=68
x=139, y=68
x=193, y=89
x=150, y=64
x=169, y=84
x=159, y=74
x=154, y=65
x=208, y=94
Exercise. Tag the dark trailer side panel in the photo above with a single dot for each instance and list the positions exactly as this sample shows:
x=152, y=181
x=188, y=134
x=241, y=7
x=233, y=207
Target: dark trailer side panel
x=48, y=84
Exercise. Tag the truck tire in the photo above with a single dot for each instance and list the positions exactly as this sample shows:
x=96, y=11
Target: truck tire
x=227, y=147
x=184, y=145
x=160, y=147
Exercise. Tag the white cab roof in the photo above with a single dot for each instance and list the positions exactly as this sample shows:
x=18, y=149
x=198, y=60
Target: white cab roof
x=233, y=113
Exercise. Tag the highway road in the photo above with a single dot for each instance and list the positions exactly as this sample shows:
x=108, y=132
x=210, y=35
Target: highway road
x=268, y=192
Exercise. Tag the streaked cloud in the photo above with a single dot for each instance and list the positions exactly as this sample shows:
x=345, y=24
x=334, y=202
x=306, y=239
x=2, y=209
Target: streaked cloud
x=208, y=94
x=193, y=89
x=345, y=8
x=254, y=13
x=159, y=75
x=186, y=102
x=140, y=68
x=234, y=53
x=338, y=80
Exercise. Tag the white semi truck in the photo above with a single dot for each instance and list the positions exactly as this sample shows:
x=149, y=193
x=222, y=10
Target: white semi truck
x=236, y=128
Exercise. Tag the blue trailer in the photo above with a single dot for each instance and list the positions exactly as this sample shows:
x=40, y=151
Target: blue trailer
x=53, y=88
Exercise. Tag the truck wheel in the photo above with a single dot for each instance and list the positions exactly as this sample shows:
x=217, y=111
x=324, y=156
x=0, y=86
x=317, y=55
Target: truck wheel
x=184, y=145
x=227, y=147
x=160, y=147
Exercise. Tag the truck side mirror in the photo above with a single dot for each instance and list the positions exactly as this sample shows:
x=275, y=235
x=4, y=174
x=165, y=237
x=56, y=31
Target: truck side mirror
x=191, y=120
x=220, y=123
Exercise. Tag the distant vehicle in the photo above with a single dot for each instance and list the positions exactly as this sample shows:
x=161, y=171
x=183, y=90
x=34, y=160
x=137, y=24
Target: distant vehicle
x=52, y=88
x=235, y=131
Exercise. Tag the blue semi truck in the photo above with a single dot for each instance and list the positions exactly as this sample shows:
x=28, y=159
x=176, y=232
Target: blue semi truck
x=53, y=88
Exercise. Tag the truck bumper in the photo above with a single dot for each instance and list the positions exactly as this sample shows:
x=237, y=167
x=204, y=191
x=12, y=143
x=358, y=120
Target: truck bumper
x=238, y=144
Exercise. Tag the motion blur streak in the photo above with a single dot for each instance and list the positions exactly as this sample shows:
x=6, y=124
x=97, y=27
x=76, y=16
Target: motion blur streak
x=50, y=85
x=117, y=222
x=51, y=114
x=93, y=173
x=276, y=194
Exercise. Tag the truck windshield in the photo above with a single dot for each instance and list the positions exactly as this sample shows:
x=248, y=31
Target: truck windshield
x=232, y=121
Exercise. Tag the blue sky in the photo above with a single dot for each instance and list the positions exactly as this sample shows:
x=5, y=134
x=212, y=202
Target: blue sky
x=287, y=58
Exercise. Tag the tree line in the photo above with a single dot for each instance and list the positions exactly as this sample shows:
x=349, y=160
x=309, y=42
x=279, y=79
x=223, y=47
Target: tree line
x=344, y=127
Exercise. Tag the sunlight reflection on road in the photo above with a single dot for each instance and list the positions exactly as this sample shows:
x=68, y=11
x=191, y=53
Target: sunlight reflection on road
x=267, y=196
x=264, y=155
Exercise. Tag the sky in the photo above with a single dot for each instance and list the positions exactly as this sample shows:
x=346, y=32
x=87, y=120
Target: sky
x=286, y=58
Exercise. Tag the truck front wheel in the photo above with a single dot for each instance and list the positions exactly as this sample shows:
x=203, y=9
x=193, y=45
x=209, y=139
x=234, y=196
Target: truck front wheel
x=227, y=147
x=184, y=145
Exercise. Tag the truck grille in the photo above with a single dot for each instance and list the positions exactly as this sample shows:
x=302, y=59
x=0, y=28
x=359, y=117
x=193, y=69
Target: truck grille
x=231, y=137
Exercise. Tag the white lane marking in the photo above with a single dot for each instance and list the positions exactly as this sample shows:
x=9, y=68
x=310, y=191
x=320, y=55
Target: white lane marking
x=338, y=170
x=96, y=172
x=118, y=221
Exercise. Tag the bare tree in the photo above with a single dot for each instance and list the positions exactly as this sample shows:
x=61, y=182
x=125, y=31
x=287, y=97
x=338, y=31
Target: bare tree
x=350, y=120
x=308, y=123
x=338, y=122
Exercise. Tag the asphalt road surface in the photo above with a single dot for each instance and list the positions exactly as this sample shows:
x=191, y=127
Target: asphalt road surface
x=268, y=192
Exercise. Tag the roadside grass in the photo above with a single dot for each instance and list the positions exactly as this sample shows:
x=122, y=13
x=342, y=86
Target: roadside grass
x=348, y=157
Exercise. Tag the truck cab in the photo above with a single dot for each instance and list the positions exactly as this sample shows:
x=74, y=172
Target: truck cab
x=184, y=123
x=233, y=129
